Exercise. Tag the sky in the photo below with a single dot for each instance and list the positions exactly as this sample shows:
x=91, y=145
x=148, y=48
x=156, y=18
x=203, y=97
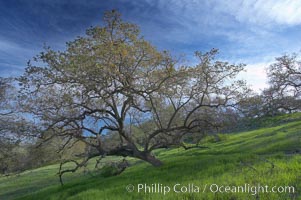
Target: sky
x=253, y=32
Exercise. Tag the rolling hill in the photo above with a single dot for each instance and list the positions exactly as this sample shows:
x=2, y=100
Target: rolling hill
x=233, y=168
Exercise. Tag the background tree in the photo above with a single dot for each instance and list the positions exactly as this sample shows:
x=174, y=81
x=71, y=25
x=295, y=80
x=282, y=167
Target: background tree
x=7, y=140
x=13, y=128
x=112, y=82
x=285, y=73
x=285, y=84
x=282, y=95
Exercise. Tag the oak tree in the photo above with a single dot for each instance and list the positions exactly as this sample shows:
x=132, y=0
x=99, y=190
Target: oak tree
x=112, y=84
x=285, y=84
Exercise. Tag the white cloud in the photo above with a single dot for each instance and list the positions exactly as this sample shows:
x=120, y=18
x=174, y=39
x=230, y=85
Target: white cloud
x=248, y=23
x=255, y=76
x=263, y=12
x=5, y=45
x=11, y=50
x=13, y=58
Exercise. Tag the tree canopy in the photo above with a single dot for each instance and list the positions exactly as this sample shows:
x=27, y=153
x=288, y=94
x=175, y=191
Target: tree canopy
x=112, y=84
x=285, y=84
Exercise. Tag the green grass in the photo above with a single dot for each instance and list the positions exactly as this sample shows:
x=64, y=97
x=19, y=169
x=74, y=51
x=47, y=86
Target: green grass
x=264, y=122
x=267, y=156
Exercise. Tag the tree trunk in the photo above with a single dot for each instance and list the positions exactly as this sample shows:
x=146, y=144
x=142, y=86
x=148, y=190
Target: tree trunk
x=134, y=152
x=151, y=159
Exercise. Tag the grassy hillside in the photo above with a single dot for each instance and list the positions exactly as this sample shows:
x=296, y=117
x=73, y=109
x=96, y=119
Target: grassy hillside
x=267, y=156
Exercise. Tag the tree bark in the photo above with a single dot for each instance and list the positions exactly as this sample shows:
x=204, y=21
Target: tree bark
x=134, y=152
x=151, y=159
